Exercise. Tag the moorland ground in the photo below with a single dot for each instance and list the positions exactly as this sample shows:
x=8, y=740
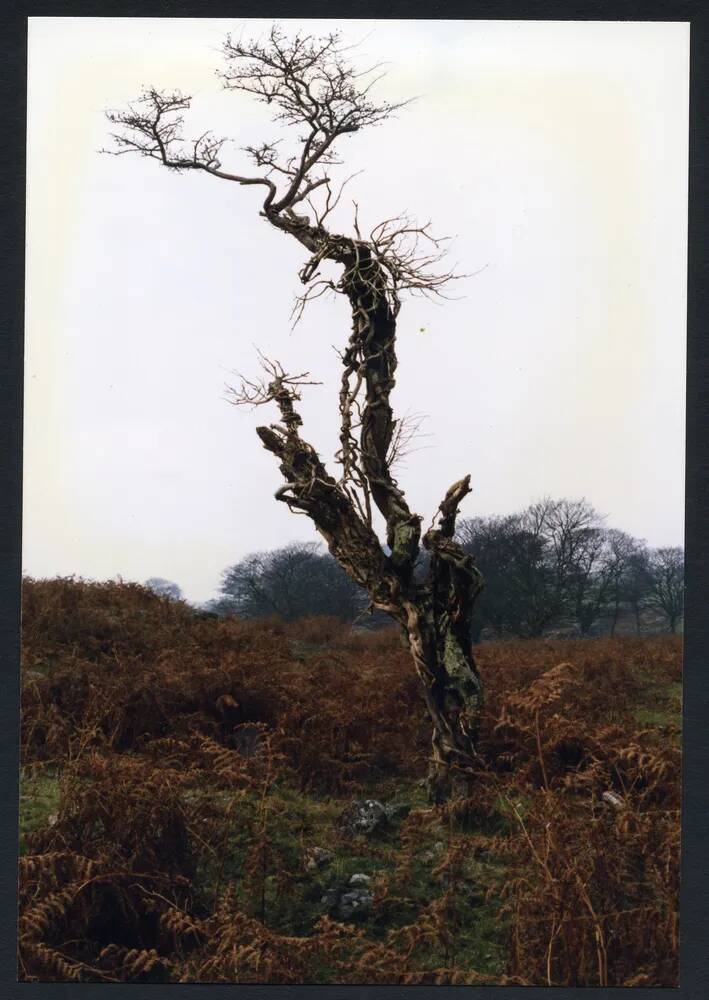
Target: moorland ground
x=192, y=804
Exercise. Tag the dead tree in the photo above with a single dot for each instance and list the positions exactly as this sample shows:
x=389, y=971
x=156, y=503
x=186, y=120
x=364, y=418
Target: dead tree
x=312, y=87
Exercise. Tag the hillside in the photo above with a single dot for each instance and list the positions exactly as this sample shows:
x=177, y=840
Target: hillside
x=210, y=800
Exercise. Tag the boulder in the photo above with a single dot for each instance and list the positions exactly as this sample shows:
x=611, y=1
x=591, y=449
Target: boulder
x=349, y=902
x=363, y=817
x=354, y=905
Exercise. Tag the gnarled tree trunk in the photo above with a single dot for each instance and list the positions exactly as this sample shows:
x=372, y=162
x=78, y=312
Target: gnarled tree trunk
x=435, y=614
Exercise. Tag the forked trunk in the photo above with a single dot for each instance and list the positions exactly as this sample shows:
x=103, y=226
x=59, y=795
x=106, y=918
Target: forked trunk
x=436, y=614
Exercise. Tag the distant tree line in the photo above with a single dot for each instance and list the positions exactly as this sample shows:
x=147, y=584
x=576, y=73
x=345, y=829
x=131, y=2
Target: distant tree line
x=292, y=582
x=553, y=568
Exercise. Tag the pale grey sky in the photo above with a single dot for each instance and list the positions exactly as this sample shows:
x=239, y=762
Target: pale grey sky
x=555, y=153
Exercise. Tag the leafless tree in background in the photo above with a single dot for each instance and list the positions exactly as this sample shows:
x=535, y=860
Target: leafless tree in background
x=667, y=584
x=555, y=566
x=311, y=87
x=622, y=554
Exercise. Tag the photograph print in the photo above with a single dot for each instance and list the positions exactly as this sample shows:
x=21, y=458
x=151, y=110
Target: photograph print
x=353, y=515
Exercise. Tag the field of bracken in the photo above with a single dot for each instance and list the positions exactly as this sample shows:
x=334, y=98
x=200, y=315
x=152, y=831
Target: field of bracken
x=216, y=800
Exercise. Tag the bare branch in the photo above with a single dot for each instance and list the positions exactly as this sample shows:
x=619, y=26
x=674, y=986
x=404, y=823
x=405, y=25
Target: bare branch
x=276, y=386
x=152, y=127
x=310, y=85
x=407, y=431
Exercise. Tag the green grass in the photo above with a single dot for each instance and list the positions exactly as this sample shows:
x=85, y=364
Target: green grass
x=39, y=801
x=660, y=705
x=289, y=897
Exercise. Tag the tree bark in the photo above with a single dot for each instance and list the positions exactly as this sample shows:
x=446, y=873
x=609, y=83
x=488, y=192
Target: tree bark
x=454, y=698
x=435, y=616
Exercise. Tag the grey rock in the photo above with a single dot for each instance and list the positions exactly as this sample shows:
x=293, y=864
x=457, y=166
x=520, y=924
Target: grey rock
x=354, y=904
x=613, y=800
x=349, y=902
x=363, y=816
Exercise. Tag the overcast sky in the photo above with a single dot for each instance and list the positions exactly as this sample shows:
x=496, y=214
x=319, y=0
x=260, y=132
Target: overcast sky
x=555, y=153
